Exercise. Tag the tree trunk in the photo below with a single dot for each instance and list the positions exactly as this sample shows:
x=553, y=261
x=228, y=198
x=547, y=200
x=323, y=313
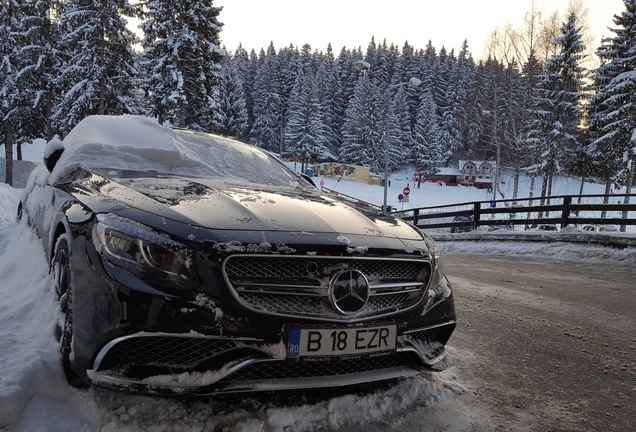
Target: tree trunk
x=9, y=157
x=550, y=177
x=544, y=189
x=608, y=189
x=580, y=192
x=515, y=188
x=530, y=195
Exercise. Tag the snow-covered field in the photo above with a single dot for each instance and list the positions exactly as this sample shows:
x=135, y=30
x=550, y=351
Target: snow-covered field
x=34, y=395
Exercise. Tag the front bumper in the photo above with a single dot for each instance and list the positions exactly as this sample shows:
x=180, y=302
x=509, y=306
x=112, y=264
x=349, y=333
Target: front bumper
x=170, y=364
x=135, y=338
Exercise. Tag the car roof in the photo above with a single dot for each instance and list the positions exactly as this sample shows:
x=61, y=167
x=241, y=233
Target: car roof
x=137, y=143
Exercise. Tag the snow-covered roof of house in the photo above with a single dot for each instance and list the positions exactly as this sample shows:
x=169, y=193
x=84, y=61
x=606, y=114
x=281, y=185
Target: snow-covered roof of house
x=476, y=162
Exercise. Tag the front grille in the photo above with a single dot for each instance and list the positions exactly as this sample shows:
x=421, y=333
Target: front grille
x=299, y=286
x=175, y=353
x=277, y=370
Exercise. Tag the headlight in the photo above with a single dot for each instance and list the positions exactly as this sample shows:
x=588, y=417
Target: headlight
x=435, y=254
x=148, y=254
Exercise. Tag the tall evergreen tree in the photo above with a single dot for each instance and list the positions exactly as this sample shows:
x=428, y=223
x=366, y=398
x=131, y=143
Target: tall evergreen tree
x=9, y=99
x=269, y=104
x=305, y=131
x=39, y=59
x=514, y=123
x=183, y=56
x=557, y=105
x=400, y=128
x=428, y=151
x=492, y=97
x=613, y=110
x=232, y=119
x=98, y=75
x=364, y=142
x=461, y=78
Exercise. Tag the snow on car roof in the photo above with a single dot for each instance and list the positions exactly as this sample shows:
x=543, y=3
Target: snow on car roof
x=140, y=144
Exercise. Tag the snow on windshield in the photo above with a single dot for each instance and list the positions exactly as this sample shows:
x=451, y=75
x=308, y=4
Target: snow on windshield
x=140, y=144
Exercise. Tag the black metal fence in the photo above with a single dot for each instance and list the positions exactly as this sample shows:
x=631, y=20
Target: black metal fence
x=561, y=210
x=350, y=198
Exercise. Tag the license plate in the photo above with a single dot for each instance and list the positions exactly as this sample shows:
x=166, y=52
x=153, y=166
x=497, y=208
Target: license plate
x=335, y=342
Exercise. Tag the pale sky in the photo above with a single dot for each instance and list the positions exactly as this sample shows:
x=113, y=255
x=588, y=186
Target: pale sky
x=351, y=23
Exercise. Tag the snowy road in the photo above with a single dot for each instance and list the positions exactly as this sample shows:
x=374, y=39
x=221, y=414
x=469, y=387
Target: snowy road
x=546, y=344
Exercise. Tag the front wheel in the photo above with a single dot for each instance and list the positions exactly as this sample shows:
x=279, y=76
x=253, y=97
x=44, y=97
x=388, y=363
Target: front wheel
x=63, y=278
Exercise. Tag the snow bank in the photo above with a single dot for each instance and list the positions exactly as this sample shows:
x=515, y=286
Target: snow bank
x=9, y=198
x=29, y=353
x=543, y=249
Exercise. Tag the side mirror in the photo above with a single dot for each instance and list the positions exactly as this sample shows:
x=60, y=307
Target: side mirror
x=309, y=179
x=52, y=152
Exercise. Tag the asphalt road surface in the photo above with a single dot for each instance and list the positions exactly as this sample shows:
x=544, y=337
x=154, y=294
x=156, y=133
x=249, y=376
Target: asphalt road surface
x=553, y=342
x=541, y=345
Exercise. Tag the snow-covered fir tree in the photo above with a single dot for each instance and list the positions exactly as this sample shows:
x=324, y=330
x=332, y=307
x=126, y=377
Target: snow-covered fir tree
x=98, y=73
x=363, y=137
x=306, y=133
x=514, y=115
x=39, y=60
x=269, y=104
x=428, y=152
x=461, y=77
x=182, y=58
x=9, y=99
x=491, y=107
x=327, y=87
x=400, y=128
x=613, y=108
x=245, y=70
x=556, y=106
x=232, y=119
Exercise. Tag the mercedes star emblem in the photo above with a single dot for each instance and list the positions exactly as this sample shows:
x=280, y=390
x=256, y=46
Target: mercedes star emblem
x=349, y=291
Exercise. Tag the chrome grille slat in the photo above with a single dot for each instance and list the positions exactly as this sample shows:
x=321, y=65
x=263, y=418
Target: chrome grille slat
x=298, y=286
x=276, y=370
x=274, y=292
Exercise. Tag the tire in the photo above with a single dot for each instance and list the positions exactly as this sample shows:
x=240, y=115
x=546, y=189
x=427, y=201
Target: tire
x=63, y=279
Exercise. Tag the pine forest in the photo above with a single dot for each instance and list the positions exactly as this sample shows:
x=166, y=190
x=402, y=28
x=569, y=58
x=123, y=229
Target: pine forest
x=544, y=100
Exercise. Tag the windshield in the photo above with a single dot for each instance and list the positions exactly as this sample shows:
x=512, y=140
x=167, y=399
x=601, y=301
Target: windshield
x=122, y=145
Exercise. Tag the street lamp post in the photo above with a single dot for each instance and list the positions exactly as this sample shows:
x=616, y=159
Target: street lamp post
x=413, y=82
x=495, y=188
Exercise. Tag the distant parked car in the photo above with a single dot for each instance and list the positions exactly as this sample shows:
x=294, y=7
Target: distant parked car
x=502, y=227
x=545, y=227
x=462, y=228
x=600, y=228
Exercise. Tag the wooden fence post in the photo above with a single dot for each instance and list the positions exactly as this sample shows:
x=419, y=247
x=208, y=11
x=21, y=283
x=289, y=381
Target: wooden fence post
x=565, y=211
x=476, y=214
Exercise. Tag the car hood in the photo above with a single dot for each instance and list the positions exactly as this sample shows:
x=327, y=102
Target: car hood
x=218, y=205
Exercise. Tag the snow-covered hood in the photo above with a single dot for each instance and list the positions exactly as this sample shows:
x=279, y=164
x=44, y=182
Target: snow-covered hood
x=218, y=205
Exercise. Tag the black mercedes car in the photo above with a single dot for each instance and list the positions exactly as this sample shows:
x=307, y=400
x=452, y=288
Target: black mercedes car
x=188, y=263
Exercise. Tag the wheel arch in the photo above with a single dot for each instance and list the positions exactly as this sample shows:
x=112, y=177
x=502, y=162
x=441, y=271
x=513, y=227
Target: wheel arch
x=61, y=227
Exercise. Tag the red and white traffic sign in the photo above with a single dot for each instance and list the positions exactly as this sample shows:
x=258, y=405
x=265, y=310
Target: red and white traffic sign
x=406, y=191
